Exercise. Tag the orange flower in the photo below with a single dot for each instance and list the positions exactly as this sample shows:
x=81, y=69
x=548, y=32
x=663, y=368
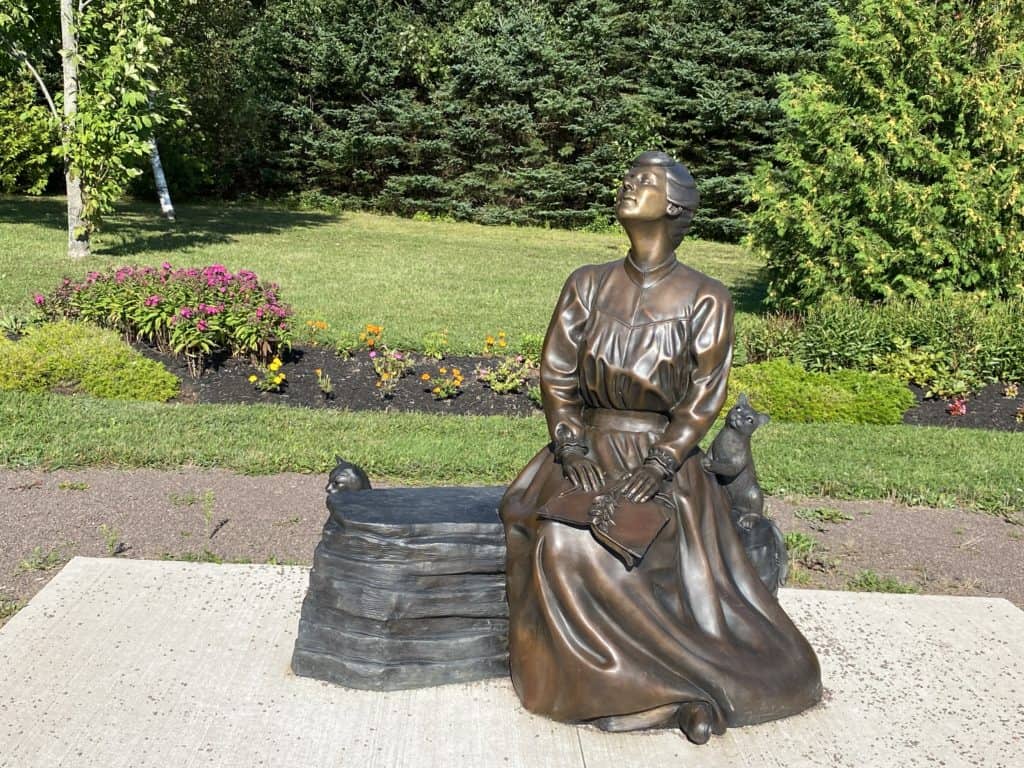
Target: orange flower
x=425, y=377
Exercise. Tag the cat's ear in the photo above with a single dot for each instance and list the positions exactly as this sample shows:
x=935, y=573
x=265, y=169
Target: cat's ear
x=742, y=400
x=762, y=419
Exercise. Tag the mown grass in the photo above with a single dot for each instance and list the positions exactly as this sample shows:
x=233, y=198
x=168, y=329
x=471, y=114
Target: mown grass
x=348, y=269
x=932, y=466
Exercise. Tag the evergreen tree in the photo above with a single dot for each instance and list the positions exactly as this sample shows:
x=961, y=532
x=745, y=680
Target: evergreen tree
x=902, y=171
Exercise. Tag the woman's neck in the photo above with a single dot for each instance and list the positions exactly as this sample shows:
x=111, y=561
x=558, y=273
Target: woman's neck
x=650, y=246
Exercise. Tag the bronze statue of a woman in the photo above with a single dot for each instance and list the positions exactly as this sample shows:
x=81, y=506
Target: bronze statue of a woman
x=634, y=372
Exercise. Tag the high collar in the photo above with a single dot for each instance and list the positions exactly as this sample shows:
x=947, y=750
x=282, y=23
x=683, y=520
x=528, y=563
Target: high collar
x=645, y=278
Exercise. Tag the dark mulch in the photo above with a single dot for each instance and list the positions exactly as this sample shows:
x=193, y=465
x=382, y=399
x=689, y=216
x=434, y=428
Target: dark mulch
x=986, y=409
x=354, y=381
x=354, y=384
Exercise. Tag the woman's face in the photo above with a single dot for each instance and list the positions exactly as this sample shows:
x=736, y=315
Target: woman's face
x=642, y=196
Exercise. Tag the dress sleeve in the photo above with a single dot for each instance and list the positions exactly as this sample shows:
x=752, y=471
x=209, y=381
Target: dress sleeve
x=559, y=368
x=711, y=339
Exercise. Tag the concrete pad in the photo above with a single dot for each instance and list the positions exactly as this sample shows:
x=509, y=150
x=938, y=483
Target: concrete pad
x=143, y=663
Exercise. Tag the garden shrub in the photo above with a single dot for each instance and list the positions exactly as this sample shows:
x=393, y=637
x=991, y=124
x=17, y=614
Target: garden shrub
x=841, y=334
x=765, y=337
x=901, y=170
x=190, y=312
x=948, y=346
x=68, y=356
x=788, y=392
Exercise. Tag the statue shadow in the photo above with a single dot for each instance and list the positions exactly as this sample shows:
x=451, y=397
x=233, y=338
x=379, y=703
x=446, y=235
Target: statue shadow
x=748, y=295
x=137, y=228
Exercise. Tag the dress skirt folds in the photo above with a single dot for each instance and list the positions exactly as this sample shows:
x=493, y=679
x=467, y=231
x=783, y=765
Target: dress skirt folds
x=636, y=364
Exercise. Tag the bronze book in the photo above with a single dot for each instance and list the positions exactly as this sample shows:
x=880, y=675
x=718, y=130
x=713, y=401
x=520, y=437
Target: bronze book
x=625, y=528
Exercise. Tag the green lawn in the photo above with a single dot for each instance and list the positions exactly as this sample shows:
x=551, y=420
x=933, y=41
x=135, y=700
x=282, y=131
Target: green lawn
x=348, y=269
x=934, y=466
x=414, y=277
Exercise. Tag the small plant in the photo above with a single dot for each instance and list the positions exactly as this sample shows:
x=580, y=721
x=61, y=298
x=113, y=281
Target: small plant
x=1019, y=415
x=800, y=545
x=535, y=395
x=390, y=366
x=435, y=344
x=271, y=378
x=8, y=607
x=822, y=515
x=316, y=331
x=495, y=344
x=1011, y=390
x=112, y=538
x=205, y=500
x=372, y=336
x=531, y=346
x=345, y=344
x=445, y=385
x=869, y=581
x=69, y=485
x=323, y=381
x=17, y=325
x=38, y=560
x=957, y=407
x=507, y=377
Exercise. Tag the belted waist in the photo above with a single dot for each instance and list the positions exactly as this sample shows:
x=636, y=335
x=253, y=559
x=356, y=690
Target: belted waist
x=624, y=421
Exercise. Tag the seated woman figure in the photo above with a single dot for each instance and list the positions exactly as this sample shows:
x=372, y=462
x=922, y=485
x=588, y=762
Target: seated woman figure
x=634, y=372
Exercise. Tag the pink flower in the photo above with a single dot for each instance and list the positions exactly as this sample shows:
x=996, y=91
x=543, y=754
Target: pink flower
x=166, y=266
x=373, y=354
x=39, y=299
x=152, y=301
x=397, y=355
x=201, y=325
x=185, y=312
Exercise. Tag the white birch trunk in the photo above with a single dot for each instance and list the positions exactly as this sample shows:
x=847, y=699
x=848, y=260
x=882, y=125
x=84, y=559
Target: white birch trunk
x=166, y=207
x=78, y=237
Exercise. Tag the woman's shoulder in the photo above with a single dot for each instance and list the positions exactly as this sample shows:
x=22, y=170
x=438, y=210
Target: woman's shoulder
x=589, y=276
x=700, y=286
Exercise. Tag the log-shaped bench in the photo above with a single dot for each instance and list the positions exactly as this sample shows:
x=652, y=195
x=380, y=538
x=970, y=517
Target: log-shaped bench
x=407, y=590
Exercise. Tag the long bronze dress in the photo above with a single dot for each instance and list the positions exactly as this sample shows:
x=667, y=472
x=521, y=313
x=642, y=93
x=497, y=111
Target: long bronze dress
x=637, y=363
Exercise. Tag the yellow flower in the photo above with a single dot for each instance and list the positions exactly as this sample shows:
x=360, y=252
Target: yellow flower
x=442, y=370
x=385, y=376
x=456, y=372
x=281, y=376
x=425, y=377
x=502, y=343
x=489, y=340
x=253, y=379
x=275, y=365
x=501, y=334
x=437, y=390
x=319, y=372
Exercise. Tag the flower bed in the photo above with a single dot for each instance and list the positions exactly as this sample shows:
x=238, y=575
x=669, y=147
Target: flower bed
x=191, y=313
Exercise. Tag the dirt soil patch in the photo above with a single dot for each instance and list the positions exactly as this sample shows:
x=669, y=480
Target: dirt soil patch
x=212, y=515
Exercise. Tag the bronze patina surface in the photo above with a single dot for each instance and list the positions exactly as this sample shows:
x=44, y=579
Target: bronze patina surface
x=634, y=372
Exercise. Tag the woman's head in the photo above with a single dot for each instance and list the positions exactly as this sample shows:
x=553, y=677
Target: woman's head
x=657, y=186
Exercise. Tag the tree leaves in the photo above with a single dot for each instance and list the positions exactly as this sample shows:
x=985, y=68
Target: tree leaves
x=901, y=170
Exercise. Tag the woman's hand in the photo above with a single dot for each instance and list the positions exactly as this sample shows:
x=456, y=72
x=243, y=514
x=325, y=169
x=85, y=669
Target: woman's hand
x=642, y=484
x=582, y=472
